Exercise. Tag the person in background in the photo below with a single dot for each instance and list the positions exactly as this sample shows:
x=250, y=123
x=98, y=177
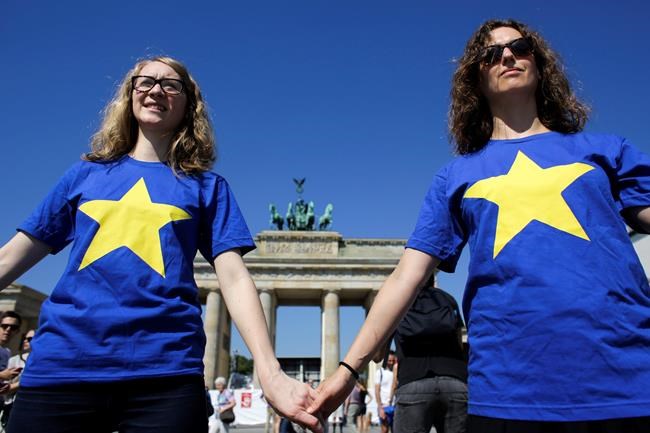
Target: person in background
x=431, y=377
x=556, y=302
x=336, y=420
x=16, y=362
x=384, y=392
x=224, y=401
x=120, y=342
x=209, y=408
x=356, y=405
x=10, y=322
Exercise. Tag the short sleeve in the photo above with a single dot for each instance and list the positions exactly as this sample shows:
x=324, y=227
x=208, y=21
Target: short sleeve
x=438, y=231
x=222, y=224
x=633, y=176
x=52, y=221
x=14, y=362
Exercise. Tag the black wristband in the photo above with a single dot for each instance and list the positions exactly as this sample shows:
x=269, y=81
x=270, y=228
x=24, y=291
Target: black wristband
x=354, y=372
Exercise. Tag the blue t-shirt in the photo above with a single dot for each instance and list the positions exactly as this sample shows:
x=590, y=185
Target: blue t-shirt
x=557, y=303
x=127, y=304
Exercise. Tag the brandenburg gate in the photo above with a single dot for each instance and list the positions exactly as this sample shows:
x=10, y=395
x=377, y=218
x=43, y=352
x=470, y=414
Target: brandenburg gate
x=306, y=268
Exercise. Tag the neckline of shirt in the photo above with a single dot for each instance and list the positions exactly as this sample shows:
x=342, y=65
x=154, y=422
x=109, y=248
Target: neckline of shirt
x=152, y=164
x=527, y=138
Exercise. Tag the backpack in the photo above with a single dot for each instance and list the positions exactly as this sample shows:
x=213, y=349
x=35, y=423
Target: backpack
x=433, y=313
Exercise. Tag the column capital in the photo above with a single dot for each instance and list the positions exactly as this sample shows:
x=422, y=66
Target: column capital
x=330, y=290
x=265, y=290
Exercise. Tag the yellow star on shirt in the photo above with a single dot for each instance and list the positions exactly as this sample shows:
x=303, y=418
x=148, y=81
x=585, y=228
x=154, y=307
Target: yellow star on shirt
x=134, y=222
x=528, y=192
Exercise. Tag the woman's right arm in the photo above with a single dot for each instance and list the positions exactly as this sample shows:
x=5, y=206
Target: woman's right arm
x=18, y=255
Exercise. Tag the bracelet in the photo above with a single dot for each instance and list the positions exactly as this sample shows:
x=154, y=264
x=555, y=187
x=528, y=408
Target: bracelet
x=354, y=372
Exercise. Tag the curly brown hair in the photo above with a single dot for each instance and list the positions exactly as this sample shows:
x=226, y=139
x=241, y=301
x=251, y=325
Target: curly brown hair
x=192, y=148
x=470, y=118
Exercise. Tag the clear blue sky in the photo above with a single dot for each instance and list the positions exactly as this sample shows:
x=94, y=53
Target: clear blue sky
x=352, y=95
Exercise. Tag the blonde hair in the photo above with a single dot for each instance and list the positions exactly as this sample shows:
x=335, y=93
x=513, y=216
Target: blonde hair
x=192, y=148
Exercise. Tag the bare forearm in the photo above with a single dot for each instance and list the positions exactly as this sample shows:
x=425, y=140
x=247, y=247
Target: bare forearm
x=244, y=306
x=391, y=303
x=287, y=396
x=19, y=255
x=246, y=311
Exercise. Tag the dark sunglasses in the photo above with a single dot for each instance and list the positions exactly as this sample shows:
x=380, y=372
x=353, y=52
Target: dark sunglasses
x=6, y=326
x=28, y=339
x=520, y=47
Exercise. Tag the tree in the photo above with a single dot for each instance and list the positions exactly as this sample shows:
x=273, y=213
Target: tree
x=243, y=365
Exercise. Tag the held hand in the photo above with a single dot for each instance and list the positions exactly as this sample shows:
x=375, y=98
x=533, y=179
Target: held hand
x=10, y=373
x=15, y=372
x=290, y=399
x=332, y=392
x=381, y=413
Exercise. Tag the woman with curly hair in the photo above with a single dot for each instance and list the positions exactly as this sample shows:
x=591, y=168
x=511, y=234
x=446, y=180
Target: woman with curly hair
x=556, y=302
x=120, y=343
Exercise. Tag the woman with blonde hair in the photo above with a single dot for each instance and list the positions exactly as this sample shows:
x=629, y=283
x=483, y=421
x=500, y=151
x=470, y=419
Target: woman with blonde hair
x=556, y=302
x=120, y=342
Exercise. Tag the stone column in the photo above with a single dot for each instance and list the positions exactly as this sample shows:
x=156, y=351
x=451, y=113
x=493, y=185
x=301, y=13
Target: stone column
x=211, y=328
x=268, y=301
x=223, y=350
x=269, y=306
x=330, y=351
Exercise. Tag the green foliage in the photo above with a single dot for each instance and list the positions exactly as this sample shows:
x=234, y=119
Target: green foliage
x=243, y=365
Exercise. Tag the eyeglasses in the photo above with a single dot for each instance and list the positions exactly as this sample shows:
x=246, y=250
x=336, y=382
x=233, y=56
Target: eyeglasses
x=170, y=86
x=28, y=339
x=520, y=47
x=8, y=326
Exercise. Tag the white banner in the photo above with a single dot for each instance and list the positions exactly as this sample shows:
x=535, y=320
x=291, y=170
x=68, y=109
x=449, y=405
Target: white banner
x=250, y=407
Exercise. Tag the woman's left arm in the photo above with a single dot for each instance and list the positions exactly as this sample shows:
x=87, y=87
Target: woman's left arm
x=287, y=396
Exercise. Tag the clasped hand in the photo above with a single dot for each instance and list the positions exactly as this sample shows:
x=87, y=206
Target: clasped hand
x=331, y=393
x=291, y=399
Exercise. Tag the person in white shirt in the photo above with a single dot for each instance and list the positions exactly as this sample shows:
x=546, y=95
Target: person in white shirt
x=384, y=392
